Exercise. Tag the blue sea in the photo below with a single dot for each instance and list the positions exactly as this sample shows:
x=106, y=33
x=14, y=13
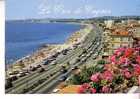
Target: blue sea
x=23, y=38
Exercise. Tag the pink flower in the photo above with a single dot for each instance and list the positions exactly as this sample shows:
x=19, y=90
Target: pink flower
x=106, y=89
x=137, y=49
x=125, y=70
x=93, y=90
x=113, y=59
x=139, y=80
x=107, y=75
x=117, y=53
x=120, y=49
x=138, y=59
x=95, y=77
x=86, y=85
x=127, y=74
x=81, y=89
x=122, y=60
x=128, y=52
x=137, y=69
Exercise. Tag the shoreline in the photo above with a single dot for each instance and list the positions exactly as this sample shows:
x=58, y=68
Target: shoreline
x=48, y=50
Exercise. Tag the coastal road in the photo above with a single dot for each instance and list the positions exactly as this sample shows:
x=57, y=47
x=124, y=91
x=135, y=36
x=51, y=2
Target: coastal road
x=28, y=81
x=46, y=89
x=54, y=83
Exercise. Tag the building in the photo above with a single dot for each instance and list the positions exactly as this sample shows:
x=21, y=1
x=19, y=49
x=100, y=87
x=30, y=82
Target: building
x=118, y=38
x=106, y=40
x=109, y=23
x=136, y=30
x=139, y=21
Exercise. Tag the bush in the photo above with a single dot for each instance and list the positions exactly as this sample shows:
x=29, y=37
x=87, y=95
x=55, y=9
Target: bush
x=75, y=79
x=84, y=76
x=102, y=62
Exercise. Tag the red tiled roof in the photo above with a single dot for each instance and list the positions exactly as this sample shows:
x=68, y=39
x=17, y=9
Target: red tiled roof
x=119, y=32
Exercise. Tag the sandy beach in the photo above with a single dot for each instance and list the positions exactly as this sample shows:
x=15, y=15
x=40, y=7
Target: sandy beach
x=48, y=50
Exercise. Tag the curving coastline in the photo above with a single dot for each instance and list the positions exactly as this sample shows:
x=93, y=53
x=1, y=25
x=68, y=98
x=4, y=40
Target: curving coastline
x=48, y=50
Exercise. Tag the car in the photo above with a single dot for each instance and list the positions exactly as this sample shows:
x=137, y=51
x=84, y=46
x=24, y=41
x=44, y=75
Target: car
x=63, y=78
x=84, y=51
x=25, y=70
x=54, y=63
x=22, y=74
x=98, y=43
x=55, y=90
x=88, y=55
x=77, y=60
x=38, y=66
x=46, y=62
x=54, y=56
x=51, y=74
x=64, y=71
x=83, y=59
x=83, y=55
x=91, y=52
x=13, y=77
x=96, y=54
x=94, y=58
x=64, y=52
x=33, y=69
x=51, y=59
x=75, y=46
x=13, y=73
x=41, y=70
x=74, y=68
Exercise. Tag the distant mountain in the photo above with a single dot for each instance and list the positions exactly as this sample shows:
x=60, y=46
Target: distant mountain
x=78, y=20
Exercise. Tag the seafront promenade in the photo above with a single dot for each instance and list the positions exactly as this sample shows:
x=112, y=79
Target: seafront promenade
x=61, y=66
x=49, y=50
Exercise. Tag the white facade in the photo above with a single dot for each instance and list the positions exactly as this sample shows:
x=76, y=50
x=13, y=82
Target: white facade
x=139, y=21
x=109, y=23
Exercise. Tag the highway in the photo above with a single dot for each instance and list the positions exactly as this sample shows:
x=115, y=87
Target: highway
x=44, y=82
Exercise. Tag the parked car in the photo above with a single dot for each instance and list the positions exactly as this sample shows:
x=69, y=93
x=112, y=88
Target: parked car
x=83, y=55
x=77, y=60
x=41, y=70
x=46, y=62
x=64, y=71
x=83, y=59
x=38, y=66
x=63, y=78
x=54, y=63
x=88, y=55
x=25, y=71
x=33, y=69
x=13, y=77
x=55, y=90
x=13, y=73
x=64, y=52
x=74, y=68
x=21, y=74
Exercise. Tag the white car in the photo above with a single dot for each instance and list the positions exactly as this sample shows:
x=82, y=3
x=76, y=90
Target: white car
x=55, y=90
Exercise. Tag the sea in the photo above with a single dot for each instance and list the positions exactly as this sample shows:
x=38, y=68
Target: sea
x=24, y=38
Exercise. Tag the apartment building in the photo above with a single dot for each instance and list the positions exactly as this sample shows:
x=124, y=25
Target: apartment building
x=117, y=38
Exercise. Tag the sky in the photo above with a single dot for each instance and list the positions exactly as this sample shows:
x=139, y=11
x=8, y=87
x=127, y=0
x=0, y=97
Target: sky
x=27, y=9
